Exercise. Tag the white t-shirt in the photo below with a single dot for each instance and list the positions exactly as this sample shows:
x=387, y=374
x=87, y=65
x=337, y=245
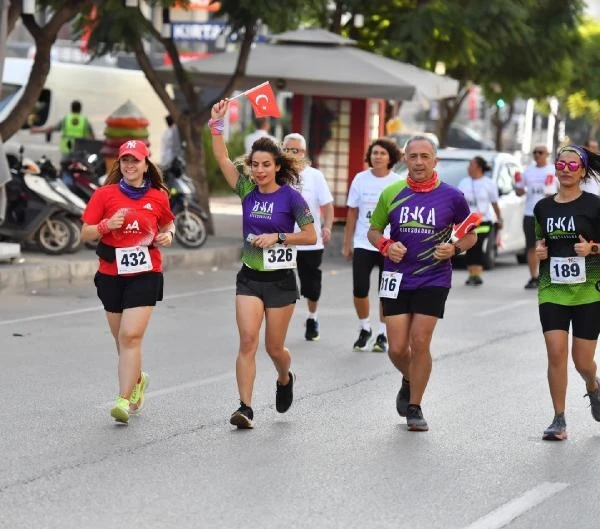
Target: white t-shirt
x=253, y=136
x=591, y=186
x=539, y=182
x=364, y=194
x=480, y=193
x=316, y=192
x=170, y=146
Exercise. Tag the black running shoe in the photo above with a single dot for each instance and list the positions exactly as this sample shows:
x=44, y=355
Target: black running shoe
x=312, y=330
x=380, y=345
x=403, y=398
x=477, y=281
x=285, y=395
x=242, y=417
x=414, y=419
x=363, y=340
x=534, y=282
x=470, y=281
x=594, y=397
x=557, y=431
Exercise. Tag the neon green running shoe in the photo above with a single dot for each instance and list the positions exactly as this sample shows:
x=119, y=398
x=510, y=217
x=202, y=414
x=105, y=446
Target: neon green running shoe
x=136, y=399
x=120, y=411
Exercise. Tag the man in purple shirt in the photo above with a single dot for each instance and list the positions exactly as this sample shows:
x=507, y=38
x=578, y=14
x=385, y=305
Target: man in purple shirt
x=421, y=211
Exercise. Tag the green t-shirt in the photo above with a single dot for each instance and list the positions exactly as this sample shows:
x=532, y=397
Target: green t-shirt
x=560, y=224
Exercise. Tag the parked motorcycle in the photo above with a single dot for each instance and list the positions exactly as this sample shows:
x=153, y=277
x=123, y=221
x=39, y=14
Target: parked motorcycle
x=75, y=203
x=36, y=213
x=190, y=217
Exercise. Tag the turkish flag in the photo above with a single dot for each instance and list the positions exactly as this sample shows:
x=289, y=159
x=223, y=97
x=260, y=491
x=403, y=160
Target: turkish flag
x=469, y=224
x=263, y=101
x=90, y=23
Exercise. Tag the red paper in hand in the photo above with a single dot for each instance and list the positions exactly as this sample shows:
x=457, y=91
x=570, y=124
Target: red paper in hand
x=469, y=224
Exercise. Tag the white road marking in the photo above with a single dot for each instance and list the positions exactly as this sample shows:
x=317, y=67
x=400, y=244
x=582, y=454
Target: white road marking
x=99, y=307
x=505, y=514
x=508, y=306
x=181, y=387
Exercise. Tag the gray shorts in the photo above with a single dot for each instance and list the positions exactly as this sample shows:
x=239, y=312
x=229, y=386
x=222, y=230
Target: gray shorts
x=275, y=289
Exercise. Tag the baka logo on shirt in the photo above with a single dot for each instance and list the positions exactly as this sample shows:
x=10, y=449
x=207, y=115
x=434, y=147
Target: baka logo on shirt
x=560, y=227
x=132, y=227
x=262, y=209
x=418, y=219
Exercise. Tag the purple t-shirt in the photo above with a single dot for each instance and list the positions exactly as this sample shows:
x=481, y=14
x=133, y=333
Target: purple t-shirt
x=420, y=221
x=275, y=212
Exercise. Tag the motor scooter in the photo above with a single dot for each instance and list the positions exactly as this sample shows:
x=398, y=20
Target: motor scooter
x=190, y=217
x=35, y=213
x=74, y=203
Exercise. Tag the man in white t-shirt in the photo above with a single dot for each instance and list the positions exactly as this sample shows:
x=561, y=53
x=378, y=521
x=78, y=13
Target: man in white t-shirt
x=363, y=195
x=316, y=192
x=538, y=181
x=263, y=125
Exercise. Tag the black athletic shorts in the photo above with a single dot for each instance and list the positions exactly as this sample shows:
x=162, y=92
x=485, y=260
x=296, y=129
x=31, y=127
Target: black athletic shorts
x=363, y=262
x=309, y=273
x=529, y=230
x=583, y=318
x=118, y=293
x=276, y=289
x=430, y=301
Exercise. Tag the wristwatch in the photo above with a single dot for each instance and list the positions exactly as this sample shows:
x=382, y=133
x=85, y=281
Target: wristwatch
x=281, y=238
x=594, y=249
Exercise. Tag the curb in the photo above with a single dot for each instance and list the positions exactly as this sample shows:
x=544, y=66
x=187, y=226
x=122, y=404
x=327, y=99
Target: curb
x=17, y=278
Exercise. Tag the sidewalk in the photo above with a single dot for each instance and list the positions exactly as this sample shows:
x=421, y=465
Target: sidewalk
x=38, y=269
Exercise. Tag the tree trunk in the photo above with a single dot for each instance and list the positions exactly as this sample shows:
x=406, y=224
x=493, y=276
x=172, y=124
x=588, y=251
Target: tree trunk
x=190, y=128
x=448, y=109
x=500, y=124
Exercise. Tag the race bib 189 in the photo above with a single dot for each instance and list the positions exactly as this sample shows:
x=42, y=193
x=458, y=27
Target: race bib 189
x=133, y=260
x=279, y=256
x=567, y=270
x=390, y=285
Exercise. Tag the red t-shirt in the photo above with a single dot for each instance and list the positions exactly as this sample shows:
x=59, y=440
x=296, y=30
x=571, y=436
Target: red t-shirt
x=143, y=218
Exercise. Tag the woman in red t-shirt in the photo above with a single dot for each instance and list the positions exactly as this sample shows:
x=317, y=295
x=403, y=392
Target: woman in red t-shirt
x=132, y=217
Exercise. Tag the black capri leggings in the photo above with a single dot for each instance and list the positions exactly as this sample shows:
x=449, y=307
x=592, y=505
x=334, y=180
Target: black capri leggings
x=363, y=262
x=474, y=256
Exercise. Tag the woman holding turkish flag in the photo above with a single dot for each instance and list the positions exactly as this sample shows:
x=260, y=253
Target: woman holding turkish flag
x=266, y=284
x=131, y=216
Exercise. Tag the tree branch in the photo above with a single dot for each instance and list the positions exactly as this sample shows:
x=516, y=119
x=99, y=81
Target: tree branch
x=153, y=79
x=14, y=12
x=242, y=62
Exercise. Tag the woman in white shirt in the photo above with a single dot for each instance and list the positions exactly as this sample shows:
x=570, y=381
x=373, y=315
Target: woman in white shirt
x=482, y=195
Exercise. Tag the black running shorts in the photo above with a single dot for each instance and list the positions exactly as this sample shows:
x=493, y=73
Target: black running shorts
x=363, y=262
x=118, y=293
x=584, y=318
x=276, y=289
x=309, y=273
x=430, y=301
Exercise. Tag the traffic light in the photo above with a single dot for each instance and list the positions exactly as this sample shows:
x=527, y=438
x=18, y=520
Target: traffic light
x=500, y=103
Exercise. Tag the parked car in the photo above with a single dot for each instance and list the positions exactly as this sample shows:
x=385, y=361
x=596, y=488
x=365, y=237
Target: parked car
x=452, y=168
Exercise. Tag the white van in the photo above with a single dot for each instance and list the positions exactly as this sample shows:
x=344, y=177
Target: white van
x=100, y=89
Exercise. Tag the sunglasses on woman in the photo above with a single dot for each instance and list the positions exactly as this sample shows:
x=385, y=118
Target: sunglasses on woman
x=573, y=166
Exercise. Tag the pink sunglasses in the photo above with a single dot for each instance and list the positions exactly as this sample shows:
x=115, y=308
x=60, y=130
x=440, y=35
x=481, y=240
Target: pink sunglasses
x=573, y=166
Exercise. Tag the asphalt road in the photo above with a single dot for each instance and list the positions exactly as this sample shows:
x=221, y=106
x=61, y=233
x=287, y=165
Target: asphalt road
x=340, y=458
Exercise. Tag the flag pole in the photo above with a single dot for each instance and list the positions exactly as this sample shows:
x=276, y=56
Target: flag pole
x=249, y=90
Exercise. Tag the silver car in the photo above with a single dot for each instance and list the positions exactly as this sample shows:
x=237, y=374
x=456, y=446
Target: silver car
x=452, y=168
